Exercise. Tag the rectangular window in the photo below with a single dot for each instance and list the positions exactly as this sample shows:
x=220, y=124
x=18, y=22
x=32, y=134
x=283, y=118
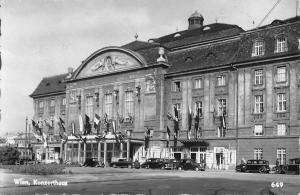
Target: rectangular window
x=129, y=103
x=281, y=45
x=221, y=80
x=281, y=129
x=258, y=130
x=89, y=106
x=258, y=77
x=52, y=103
x=150, y=85
x=63, y=101
x=221, y=107
x=178, y=106
x=108, y=105
x=176, y=86
x=258, y=104
x=281, y=102
x=258, y=48
x=200, y=107
x=198, y=83
x=281, y=74
x=41, y=104
x=281, y=156
x=258, y=153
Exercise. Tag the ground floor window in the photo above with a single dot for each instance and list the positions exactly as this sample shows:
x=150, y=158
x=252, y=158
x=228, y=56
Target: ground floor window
x=258, y=153
x=281, y=156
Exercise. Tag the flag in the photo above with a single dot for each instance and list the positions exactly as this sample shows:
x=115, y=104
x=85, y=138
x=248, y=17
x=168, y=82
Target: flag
x=223, y=123
x=115, y=130
x=169, y=116
x=189, y=122
x=45, y=140
x=80, y=123
x=48, y=123
x=147, y=138
x=130, y=118
x=106, y=123
x=176, y=121
x=168, y=136
x=197, y=120
x=175, y=140
x=73, y=128
x=87, y=125
x=36, y=128
x=97, y=123
x=61, y=125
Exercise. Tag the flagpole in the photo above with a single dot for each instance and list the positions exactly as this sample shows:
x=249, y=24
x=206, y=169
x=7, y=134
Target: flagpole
x=26, y=146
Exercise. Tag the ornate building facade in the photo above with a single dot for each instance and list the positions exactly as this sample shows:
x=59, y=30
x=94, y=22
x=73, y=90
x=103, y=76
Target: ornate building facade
x=214, y=93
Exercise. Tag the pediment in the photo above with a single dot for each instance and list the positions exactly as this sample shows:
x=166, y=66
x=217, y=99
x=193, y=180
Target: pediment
x=108, y=61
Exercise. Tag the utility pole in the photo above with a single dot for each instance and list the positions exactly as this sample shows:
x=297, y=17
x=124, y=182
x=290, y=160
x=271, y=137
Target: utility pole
x=26, y=137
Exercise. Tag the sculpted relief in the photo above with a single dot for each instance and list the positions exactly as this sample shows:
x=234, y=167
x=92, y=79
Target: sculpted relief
x=109, y=62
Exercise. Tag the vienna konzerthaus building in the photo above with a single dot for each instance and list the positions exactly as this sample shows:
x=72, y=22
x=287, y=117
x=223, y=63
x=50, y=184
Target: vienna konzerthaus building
x=214, y=93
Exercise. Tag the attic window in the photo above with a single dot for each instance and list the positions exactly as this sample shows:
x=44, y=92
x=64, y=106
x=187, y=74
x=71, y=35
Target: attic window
x=207, y=28
x=47, y=84
x=177, y=35
x=188, y=59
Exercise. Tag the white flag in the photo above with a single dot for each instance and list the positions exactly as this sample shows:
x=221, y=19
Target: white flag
x=80, y=123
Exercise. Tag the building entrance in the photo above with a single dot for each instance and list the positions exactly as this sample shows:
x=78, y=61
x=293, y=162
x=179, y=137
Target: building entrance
x=198, y=154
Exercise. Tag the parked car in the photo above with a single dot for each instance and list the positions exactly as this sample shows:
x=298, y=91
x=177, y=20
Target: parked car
x=154, y=163
x=241, y=167
x=92, y=162
x=171, y=163
x=260, y=166
x=123, y=162
x=190, y=164
x=293, y=166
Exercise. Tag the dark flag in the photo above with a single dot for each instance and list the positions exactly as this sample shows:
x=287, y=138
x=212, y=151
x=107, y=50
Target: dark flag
x=114, y=123
x=61, y=124
x=197, y=120
x=168, y=136
x=106, y=123
x=147, y=138
x=36, y=131
x=87, y=125
x=176, y=121
x=189, y=122
x=97, y=123
x=223, y=123
x=175, y=140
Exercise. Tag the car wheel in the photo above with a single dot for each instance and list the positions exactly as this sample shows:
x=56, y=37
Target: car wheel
x=262, y=170
x=179, y=168
x=129, y=166
x=147, y=167
x=196, y=169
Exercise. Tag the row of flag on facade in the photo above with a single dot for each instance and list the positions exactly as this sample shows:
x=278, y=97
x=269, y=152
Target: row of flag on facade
x=190, y=117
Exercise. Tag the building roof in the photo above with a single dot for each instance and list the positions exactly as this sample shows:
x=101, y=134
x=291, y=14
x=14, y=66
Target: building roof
x=206, y=33
x=149, y=51
x=50, y=85
x=203, y=57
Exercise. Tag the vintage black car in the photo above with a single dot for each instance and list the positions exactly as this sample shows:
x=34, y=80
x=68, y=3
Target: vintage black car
x=123, y=162
x=293, y=166
x=259, y=166
x=154, y=163
x=190, y=164
x=92, y=162
x=171, y=164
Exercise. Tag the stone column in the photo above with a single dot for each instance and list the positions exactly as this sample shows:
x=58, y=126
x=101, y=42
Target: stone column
x=121, y=148
x=128, y=149
x=105, y=153
x=79, y=150
x=99, y=151
x=84, y=152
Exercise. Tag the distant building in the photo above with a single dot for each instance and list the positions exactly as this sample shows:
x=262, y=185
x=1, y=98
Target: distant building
x=235, y=92
x=23, y=143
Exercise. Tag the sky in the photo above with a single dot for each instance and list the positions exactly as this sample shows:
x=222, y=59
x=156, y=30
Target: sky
x=43, y=38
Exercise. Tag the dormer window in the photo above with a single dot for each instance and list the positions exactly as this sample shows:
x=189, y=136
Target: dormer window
x=258, y=48
x=176, y=86
x=281, y=45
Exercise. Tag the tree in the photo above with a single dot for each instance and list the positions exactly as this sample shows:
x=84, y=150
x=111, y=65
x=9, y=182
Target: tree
x=9, y=155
